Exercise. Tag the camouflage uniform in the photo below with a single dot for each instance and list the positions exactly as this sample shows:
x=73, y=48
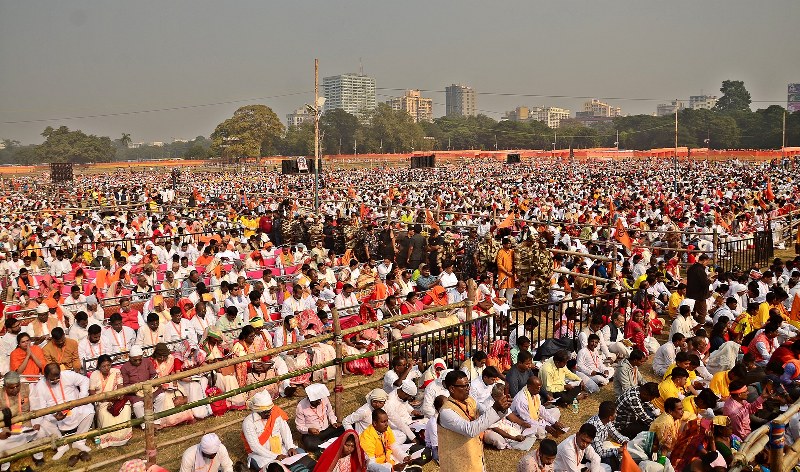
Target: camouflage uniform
x=449, y=249
x=315, y=231
x=487, y=255
x=541, y=270
x=350, y=230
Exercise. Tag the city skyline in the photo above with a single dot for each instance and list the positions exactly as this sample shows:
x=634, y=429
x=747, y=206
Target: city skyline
x=197, y=62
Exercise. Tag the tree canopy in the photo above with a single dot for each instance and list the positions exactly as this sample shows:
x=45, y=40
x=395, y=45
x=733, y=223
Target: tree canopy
x=735, y=97
x=253, y=131
x=63, y=145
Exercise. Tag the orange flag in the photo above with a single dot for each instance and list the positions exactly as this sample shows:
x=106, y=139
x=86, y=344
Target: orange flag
x=362, y=211
x=430, y=221
x=627, y=464
x=612, y=210
x=768, y=193
x=508, y=222
x=390, y=195
x=720, y=221
x=621, y=235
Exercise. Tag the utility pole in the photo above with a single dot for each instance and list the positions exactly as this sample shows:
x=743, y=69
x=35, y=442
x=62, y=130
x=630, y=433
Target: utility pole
x=783, y=138
x=676, y=147
x=316, y=135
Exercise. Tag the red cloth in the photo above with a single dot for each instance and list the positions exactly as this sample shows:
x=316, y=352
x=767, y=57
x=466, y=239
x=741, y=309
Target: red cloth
x=331, y=455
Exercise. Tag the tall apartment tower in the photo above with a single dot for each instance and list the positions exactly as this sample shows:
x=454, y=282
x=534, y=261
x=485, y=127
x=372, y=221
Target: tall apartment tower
x=460, y=101
x=353, y=93
x=413, y=103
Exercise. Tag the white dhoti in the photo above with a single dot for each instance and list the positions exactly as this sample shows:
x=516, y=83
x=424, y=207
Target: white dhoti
x=17, y=440
x=195, y=390
x=79, y=420
x=620, y=349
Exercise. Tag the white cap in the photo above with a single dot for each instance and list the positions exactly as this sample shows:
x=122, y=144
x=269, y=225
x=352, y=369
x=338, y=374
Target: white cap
x=317, y=392
x=42, y=308
x=136, y=351
x=210, y=444
x=409, y=387
x=261, y=401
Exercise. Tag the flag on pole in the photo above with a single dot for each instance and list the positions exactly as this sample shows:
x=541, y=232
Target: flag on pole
x=508, y=222
x=621, y=235
x=430, y=221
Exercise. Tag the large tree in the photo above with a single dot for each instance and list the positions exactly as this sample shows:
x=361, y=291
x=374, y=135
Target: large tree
x=390, y=131
x=734, y=97
x=338, y=130
x=63, y=145
x=253, y=131
x=299, y=140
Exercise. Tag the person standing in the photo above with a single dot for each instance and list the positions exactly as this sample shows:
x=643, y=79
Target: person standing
x=697, y=284
x=506, y=274
x=461, y=429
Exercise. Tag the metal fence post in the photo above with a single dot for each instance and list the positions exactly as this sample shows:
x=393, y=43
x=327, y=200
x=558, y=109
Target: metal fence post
x=149, y=425
x=715, y=241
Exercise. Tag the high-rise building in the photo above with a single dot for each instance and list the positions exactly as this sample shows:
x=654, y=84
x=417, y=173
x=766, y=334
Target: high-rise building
x=460, y=101
x=413, y=103
x=664, y=109
x=551, y=116
x=353, y=93
x=597, y=108
x=298, y=117
x=793, y=98
x=518, y=114
x=702, y=102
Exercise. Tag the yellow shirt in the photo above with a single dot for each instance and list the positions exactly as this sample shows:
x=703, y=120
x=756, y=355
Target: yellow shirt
x=692, y=374
x=763, y=315
x=667, y=389
x=675, y=301
x=553, y=378
x=639, y=281
x=719, y=384
x=378, y=446
x=690, y=409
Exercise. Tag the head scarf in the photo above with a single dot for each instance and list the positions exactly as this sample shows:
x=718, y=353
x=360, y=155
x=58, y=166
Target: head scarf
x=377, y=394
x=331, y=455
x=317, y=392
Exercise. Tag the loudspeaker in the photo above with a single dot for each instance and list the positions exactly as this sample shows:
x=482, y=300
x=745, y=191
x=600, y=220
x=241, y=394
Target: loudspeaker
x=60, y=171
x=512, y=159
x=423, y=162
x=289, y=166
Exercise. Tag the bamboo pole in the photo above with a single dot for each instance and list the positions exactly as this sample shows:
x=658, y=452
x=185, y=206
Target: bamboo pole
x=337, y=340
x=149, y=426
x=471, y=292
x=106, y=396
x=576, y=274
x=582, y=254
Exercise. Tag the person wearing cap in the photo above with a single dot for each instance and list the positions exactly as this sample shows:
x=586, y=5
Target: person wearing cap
x=57, y=387
x=40, y=328
x=314, y=418
x=136, y=370
x=94, y=310
x=400, y=411
x=266, y=432
x=360, y=419
x=210, y=455
x=16, y=399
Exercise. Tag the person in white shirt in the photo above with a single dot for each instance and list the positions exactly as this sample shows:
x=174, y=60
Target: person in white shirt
x=91, y=347
x=293, y=305
x=447, y=278
x=480, y=389
x=203, y=318
x=94, y=310
x=117, y=337
x=384, y=268
x=360, y=419
x=60, y=266
x=527, y=405
x=178, y=328
x=728, y=310
x=665, y=355
x=77, y=330
x=574, y=450
x=277, y=443
x=238, y=300
x=591, y=367
x=346, y=299
x=613, y=336
x=683, y=323
x=208, y=456
x=400, y=411
x=152, y=332
x=8, y=342
x=595, y=327
x=74, y=303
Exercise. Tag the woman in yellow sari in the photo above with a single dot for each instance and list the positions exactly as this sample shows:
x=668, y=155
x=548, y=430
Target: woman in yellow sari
x=107, y=379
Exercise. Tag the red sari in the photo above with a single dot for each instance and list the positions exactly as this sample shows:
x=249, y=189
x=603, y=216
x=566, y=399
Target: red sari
x=332, y=455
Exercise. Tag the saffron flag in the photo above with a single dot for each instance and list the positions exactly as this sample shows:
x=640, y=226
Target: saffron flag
x=363, y=211
x=508, y=222
x=720, y=221
x=612, y=210
x=768, y=194
x=430, y=221
x=621, y=235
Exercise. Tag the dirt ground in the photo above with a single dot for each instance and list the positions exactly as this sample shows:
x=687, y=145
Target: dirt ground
x=173, y=441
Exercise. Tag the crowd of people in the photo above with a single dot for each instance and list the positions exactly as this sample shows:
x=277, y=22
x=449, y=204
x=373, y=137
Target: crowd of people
x=121, y=279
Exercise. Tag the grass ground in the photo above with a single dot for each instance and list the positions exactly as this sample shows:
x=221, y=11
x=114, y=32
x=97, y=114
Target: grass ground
x=173, y=441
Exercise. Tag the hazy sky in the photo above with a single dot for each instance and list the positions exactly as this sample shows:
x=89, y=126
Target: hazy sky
x=69, y=58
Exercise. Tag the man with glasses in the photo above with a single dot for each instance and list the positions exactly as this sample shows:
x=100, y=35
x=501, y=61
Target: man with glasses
x=461, y=428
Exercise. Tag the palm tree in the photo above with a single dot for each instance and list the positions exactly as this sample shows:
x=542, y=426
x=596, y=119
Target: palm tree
x=125, y=140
